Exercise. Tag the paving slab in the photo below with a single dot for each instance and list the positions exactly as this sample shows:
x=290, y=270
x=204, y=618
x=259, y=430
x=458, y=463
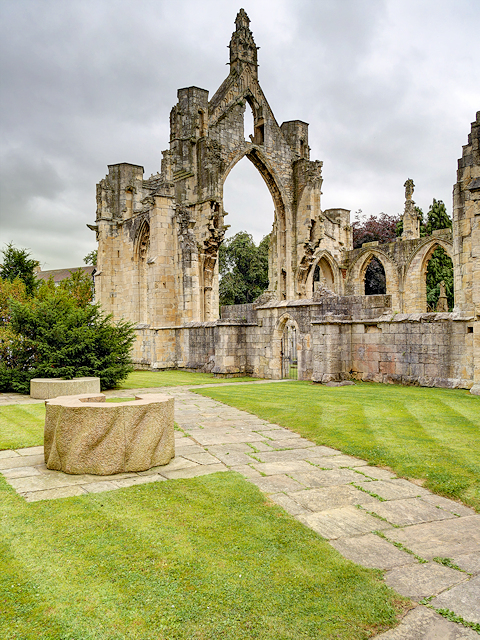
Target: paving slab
x=260, y=445
x=278, y=434
x=331, y=497
x=246, y=470
x=424, y=624
x=42, y=482
x=286, y=466
x=372, y=551
x=420, y=581
x=276, y=484
x=286, y=502
x=201, y=458
x=31, y=451
x=469, y=562
x=464, y=600
x=130, y=482
x=99, y=487
x=8, y=453
x=21, y=472
x=290, y=443
x=189, y=450
x=54, y=494
x=20, y=461
x=279, y=456
x=341, y=523
x=447, y=539
x=346, y=461
x=319, y=478
x=94, y=478
x=179, y=462
x=230, y=457
x=448, y=505
x=392, y=489
x=410, y=511
x=193, y=472
x=225, y=438
x=376, y=473
x=322, y=462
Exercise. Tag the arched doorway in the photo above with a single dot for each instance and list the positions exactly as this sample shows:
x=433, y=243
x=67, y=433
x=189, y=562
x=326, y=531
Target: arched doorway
x=289, y=351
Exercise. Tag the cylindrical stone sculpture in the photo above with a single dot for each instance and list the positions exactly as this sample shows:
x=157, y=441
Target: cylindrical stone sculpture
x=85, y=434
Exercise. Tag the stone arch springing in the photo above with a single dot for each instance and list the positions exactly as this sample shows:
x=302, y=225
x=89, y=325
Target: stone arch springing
x=415, y=296
x=141, y=254
x=279, y=266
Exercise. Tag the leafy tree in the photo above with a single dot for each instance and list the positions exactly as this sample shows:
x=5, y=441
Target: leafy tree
x=381, y=228
x=57, y=334
x=243, y=269
x=18, y=264
x=91, y=258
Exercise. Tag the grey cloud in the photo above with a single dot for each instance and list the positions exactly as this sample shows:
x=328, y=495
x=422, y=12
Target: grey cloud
x=389, y=88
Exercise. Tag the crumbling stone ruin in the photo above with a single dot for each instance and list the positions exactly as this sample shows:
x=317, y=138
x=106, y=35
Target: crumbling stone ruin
x=158, y=256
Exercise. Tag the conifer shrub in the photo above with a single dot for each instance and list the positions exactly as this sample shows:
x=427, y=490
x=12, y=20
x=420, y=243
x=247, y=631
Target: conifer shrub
x=58, y=333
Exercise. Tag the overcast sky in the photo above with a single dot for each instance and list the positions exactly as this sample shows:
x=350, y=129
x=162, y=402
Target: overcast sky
x=388, y=87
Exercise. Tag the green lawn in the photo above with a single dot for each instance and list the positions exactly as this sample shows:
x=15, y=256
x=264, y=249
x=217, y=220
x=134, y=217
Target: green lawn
x=173, y=378
x=21, y=425
x=206, y=558
x=429, y=434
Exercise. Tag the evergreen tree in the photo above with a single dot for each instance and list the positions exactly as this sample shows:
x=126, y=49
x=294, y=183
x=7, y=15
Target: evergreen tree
x=17, y=263
x=91, y=258
x=57, y=333
x=440, y=266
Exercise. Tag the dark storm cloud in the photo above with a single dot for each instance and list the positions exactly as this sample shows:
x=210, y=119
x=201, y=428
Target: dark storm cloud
x=389, y=88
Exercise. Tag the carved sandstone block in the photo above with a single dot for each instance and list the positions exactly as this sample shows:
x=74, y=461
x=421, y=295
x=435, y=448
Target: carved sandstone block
x=84, y=434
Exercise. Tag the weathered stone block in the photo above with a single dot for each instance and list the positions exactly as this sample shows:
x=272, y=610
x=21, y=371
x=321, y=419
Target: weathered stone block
x=84, y=434
x=45, y=388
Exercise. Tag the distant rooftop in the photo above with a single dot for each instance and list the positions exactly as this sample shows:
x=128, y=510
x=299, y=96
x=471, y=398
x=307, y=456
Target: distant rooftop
x=60, y=274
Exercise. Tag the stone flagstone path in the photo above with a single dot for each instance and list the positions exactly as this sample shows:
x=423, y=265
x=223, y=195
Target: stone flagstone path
x=368, y=514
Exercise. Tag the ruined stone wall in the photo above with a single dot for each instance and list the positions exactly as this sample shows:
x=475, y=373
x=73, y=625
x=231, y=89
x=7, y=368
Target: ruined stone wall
x=466, y=229
x=158, y=255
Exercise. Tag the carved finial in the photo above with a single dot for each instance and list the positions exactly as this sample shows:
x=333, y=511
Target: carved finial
x=242, y=20
x=242, y=45
x=411, y=221
x=409, y=187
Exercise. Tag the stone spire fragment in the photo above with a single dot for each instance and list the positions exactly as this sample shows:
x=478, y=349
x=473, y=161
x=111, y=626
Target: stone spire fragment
x=411, y=221
x=243, y=50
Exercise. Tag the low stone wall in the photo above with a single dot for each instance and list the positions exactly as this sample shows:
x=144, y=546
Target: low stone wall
x=338, y=338
x=85, y=434
x=45, y=388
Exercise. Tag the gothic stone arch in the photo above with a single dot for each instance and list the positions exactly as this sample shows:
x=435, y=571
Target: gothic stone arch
x=415, y=296
x=184, y=201
x=357, y=269
x=329, y=272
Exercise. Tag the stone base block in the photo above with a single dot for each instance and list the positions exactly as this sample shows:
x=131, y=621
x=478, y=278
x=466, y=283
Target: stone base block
x=85, y=434
x=45, y=388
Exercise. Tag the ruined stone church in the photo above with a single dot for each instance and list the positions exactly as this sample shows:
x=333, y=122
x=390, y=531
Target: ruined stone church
x=158, y=242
